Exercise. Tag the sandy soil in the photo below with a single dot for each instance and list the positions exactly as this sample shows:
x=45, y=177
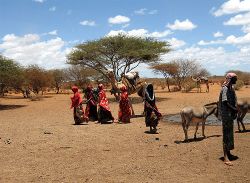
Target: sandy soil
x=39, y=143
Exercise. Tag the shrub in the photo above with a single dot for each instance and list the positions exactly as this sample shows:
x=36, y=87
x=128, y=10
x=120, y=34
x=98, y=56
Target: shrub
x=188, y=86
x=175, y=89
x=239, y=84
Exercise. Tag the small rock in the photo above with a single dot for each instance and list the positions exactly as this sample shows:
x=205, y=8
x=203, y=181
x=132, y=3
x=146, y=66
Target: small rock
x=157, y=138
x=106, y=149
x=46, y=132
x=8, y=141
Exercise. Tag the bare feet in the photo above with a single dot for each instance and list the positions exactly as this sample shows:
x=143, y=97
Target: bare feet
x=228, y=163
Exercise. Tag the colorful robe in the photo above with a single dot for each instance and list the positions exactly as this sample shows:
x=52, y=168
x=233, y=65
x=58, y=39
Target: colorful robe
x=124, y=113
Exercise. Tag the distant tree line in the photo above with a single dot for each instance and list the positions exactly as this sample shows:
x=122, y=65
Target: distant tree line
x=90, y=61
x=33, y=78
x=179, y=72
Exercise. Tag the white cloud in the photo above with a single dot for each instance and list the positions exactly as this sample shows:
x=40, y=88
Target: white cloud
x=246, y=28
x=134, y=32
x=88, y=23
x=141, y=11
x=184, y=25
x=52, y=8
x=241, y=19
x=245, y=49
x=160, y=34
x=53, y=33
x=176, y=43
x=216, y=60
x=233, y=40
x=29, y=49
x=238, y=40
x=153, y=12
x=39, y=1
x=119, y=19
x=218, y=34
x=144, y=11
x=233, y=6
x=140, y=33
x=126, y=25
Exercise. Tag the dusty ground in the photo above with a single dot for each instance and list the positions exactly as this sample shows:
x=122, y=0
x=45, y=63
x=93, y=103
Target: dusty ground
x=39, y=143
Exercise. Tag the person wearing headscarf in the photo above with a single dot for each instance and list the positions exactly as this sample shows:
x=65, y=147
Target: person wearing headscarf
x=104, y=112
x=76, y=103
x=91, y=107
x=152, y=114
x=227, y=113
x=124, y=113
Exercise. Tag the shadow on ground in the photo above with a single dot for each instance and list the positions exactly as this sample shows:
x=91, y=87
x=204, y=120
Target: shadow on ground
x=10, y=107
x=195, y=139
x=246, y=131
x=149, y=132
x=231, y=158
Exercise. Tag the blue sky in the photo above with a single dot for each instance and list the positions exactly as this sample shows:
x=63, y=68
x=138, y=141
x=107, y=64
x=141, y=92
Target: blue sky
x=215, y=33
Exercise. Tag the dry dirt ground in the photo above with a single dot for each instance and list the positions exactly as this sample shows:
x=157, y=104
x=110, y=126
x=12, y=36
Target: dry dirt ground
x=39, y=143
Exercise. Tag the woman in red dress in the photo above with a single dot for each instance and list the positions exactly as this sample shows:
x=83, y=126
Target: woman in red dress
x=76, y=103
x=104, y=112
x=124, y=113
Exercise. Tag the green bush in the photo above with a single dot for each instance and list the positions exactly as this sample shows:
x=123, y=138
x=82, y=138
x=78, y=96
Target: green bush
x=188, y=86
x=239, y=84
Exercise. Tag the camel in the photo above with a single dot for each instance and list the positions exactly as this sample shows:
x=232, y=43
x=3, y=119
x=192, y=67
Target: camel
x=200, y=80
x=136, y=87
x=243, y=108
x=196, y=115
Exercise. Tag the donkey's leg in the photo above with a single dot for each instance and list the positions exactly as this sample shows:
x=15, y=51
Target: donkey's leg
x=203, y=129
x=196, y=128
x=241, y=120
x=131, y=106
x=238, y=120
x=188, y=121
x=184, y=122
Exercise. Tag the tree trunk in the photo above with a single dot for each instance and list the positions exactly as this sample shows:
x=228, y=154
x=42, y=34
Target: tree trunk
x=167, y=81
x=2, y=87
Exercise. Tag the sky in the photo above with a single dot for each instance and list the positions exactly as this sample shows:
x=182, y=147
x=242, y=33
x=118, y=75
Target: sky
x=214, y=33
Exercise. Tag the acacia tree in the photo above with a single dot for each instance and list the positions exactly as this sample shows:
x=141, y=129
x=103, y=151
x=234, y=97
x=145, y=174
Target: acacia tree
x=58, y=78
x=37, y=78
x=81, y=75
x=167, y=70
x=120, y=53
x=181, y=70
x=11, y=74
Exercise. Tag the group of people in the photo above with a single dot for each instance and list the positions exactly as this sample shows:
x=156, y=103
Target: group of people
x=97, y=106
x=227, y=107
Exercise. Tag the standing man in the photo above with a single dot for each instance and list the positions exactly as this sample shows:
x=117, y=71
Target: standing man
x=227, y=114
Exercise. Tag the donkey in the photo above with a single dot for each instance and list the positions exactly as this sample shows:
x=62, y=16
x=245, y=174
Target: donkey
x=243, y=108
x=196, y=115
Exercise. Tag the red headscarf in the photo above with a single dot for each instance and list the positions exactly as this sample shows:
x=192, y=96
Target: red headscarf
x=76, y=99
x=229, y=76
x=123, y=88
